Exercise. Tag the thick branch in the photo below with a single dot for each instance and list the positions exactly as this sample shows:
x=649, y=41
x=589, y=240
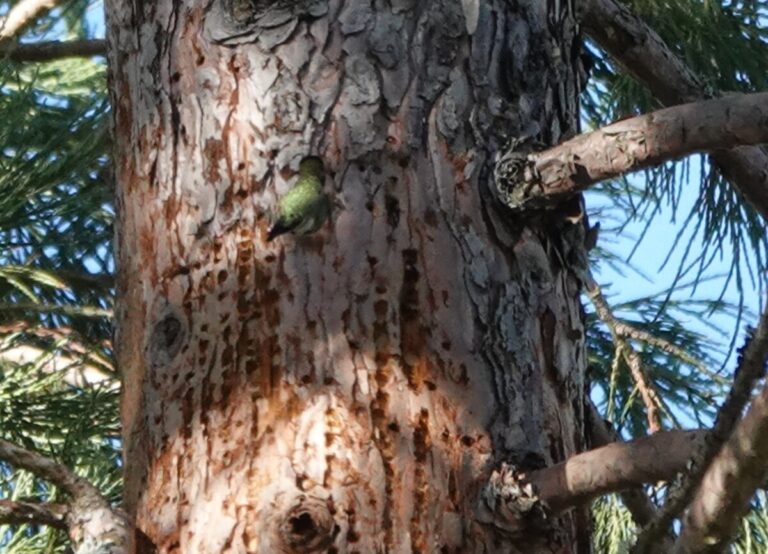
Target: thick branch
x=739, y=468
x=638, y=48
x=637, y=143
x=635, y=499
x=514, y=501
x=91, y=520
x=54, y=50
x=47, y=469
x=23, y=14
x=730, y=482
x=750, y=369
x=614, y=467
x=640, y=51
x=18, y=513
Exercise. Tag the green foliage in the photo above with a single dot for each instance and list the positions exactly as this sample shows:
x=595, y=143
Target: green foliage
x=614, y=528
x=58, y=391
x=753, y=538
x=726, y=45
x=688, y=386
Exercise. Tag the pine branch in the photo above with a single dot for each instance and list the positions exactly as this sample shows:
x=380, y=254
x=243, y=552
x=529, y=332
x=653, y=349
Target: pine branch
x=628, y=331
x=544, y=178
x=14, y=512
x=54, y=50
x=91, y=520
x=640, y=50
x=71, y=310
x=751, y=368
x=23, y=14
x=624, y=349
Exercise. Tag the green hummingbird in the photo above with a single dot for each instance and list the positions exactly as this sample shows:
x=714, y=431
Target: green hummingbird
x=305, y=207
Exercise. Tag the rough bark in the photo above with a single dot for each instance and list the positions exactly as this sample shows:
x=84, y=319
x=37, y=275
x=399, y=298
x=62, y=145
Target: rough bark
x=351, y=390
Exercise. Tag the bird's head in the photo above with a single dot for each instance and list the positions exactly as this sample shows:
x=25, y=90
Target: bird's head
x=311, y=166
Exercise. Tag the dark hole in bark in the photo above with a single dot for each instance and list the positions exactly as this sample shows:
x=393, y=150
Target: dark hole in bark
x=143, y=543
x=308, y=527
x=167, y=340
x=392, y=206
x=303, y=526
x=169, y=330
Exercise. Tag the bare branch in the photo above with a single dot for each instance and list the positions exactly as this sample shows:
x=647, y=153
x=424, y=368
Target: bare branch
x=91, y=521
x=635, y=499
x=641, y=51
x=23, y=14
x=18, y=513
x=739, y=468
x=48, y=469
x=750, y=369
x=54, y=50
x=636, y=143
x=514, y=501
x=614, y=467
x=730, y=482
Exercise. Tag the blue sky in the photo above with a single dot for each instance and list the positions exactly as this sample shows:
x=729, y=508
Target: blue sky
x=650, y=255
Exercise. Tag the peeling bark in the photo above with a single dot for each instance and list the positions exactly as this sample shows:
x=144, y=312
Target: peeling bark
x=542, y=179
x=615, y=467
x=516, y=502
x=352, y=390
x=640, y=50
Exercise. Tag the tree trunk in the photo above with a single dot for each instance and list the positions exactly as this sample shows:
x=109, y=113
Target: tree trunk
x=348, y=391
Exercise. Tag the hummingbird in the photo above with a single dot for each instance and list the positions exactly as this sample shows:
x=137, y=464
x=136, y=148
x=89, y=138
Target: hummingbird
x=305, y=207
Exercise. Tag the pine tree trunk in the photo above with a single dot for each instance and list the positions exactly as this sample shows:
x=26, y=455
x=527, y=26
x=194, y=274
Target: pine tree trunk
x=348, y=391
